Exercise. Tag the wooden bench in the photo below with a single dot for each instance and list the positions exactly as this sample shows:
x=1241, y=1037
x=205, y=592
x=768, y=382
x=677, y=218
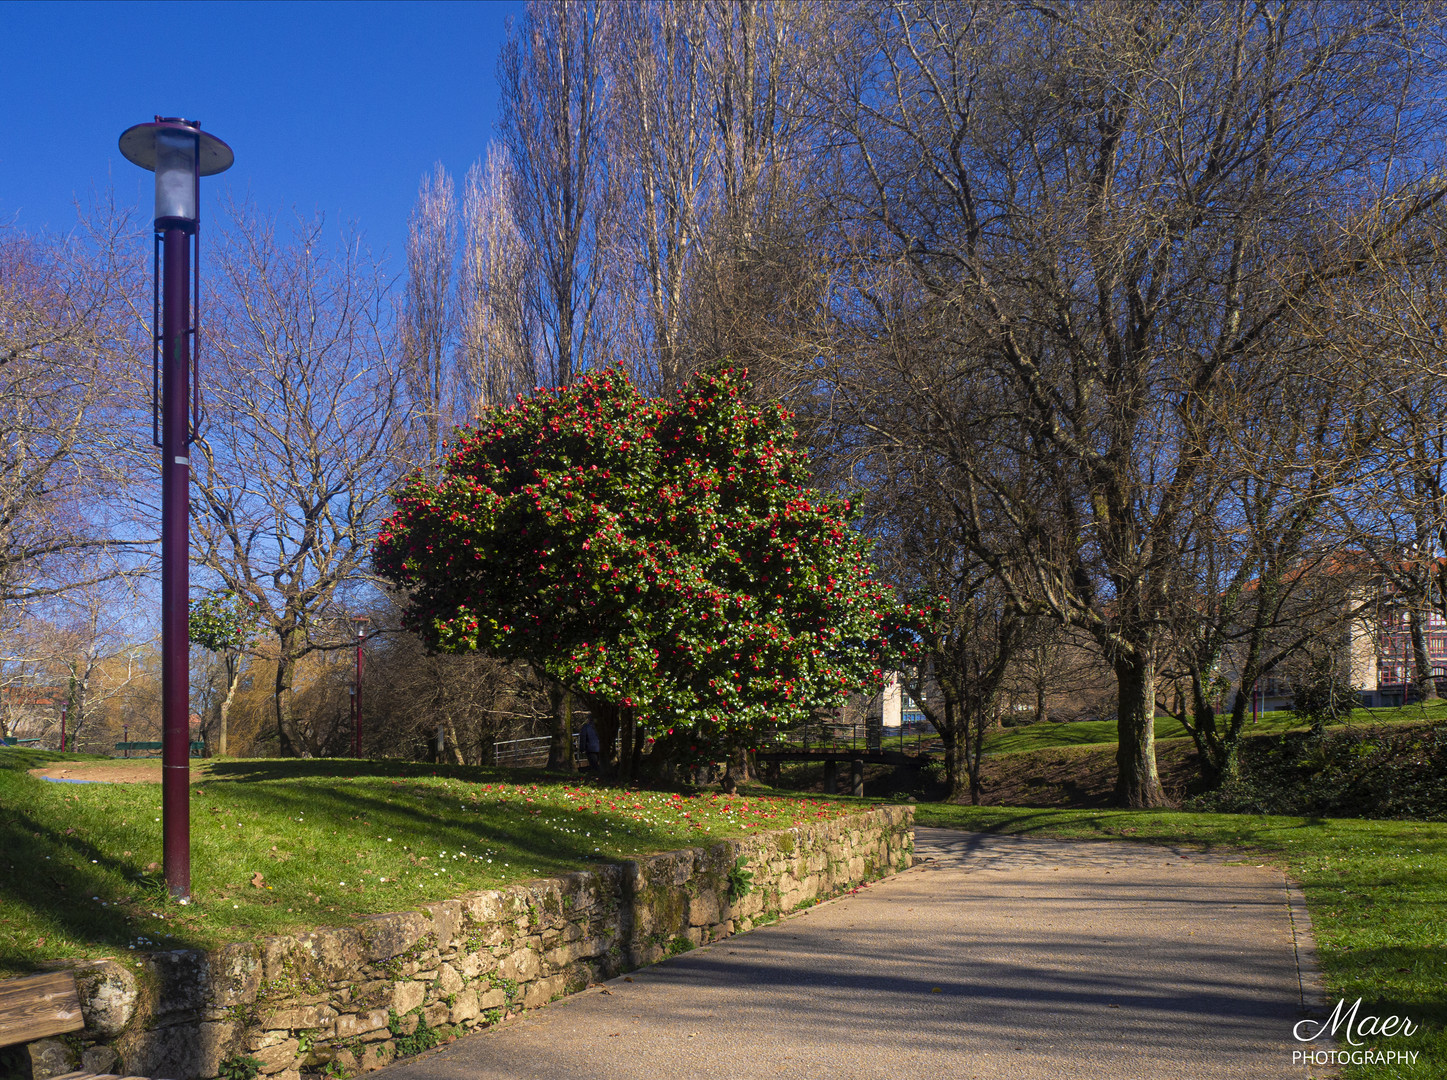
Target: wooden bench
x=38, y=1006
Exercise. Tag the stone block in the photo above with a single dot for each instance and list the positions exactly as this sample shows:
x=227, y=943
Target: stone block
x=334, y=953
x=301, y=1018
x=492, y=999
x=521, y=965
x=49, y=1057
x=436, y=1014
x=544, y=990
x=276, y=1058
x=235, y=974
x=108, y=997
x=359, y=1023
x=492, y=906
x=475, y=964
x=181, y=979
x=448, y=980
x=98, y=1059
x=183, y=1050
x=703, y=908
x=386, y=936
x=372, y=994
x=376, y=1056
x=446, y=922
x=407, y=995
x=464, y=1007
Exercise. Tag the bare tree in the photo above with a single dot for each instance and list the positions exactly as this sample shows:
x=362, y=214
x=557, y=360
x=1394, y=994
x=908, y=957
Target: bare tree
x=497, y=349
x=64, y=347
x=429, y=319
x=660, y=145
x=1114, y=218
x=563, y=195
x=305, y=436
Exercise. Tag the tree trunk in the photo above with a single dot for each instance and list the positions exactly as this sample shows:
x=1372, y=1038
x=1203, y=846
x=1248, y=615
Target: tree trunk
x=1042, y=705
x=222, y=735
x=560, y=748
x=640, y=744
x=1421, y=659
x=288, y=742
x=625, y=749
x=1137, y=784
x=457, y=755
x=954, y=759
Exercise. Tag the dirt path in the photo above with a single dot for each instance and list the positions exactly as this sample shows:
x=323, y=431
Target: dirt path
x=146, y=771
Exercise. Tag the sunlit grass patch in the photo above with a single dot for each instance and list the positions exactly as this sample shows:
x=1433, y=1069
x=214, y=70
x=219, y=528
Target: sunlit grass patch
x=284, y=845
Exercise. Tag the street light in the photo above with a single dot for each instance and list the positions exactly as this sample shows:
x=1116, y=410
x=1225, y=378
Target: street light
x=361, y=623
x=179, y=153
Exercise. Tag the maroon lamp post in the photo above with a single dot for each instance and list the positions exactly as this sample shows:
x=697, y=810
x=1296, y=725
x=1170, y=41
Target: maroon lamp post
x=179, y=153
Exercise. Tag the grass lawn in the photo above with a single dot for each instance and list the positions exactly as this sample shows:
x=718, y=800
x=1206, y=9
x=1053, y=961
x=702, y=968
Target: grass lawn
x=1376, y=890
x=1086, y=732
x=286, y=845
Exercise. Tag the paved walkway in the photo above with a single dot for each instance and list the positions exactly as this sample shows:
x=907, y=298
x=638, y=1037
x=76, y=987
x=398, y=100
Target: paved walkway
x=996, y=957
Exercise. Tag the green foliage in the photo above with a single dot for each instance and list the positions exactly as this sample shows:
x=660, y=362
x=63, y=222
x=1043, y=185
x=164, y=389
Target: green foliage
x=222, y=621
x=239, y=1067
x=679, y=945
x=422, y=1037
x=741, y=879
x=1323, y=693
x=665, y=556
x=1380, y=772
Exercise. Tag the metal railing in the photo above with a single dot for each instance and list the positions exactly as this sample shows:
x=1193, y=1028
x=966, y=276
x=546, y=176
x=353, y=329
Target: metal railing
x=528, y=753
x=834, y=736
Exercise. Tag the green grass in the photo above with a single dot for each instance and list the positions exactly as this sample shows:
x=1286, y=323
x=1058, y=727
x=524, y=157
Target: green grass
x=1376, y=890
x=285, y=845
x=1092, y=732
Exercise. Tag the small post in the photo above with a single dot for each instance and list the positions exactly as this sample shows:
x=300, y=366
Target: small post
x=831, y=777
x=856, y=777
x=126, y=740
x=361, y=621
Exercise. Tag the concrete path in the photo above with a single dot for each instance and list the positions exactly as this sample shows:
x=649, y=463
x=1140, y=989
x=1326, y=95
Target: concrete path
x=996, y=957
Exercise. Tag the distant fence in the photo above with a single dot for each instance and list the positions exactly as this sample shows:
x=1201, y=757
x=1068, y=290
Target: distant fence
x=831, y=736
x=527, y=753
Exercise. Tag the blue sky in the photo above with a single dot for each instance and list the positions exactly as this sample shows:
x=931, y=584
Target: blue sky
x=332, y=107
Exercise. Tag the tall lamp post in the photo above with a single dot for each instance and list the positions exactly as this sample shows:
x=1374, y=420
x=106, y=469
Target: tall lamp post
x=361, y=624
x=179, y=153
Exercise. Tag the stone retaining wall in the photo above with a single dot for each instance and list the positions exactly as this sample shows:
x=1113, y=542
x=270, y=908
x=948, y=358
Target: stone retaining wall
x=396, y=984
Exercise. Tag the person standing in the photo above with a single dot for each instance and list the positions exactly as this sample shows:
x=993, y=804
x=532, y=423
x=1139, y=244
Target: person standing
x=592, y=747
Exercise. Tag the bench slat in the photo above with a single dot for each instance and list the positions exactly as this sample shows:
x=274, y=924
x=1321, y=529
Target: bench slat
x=37, y=1006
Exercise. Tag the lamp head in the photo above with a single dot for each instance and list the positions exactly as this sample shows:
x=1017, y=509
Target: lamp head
x=179, y=153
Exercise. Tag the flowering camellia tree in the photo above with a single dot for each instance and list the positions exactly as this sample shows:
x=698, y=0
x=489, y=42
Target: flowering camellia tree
x=667, y=561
